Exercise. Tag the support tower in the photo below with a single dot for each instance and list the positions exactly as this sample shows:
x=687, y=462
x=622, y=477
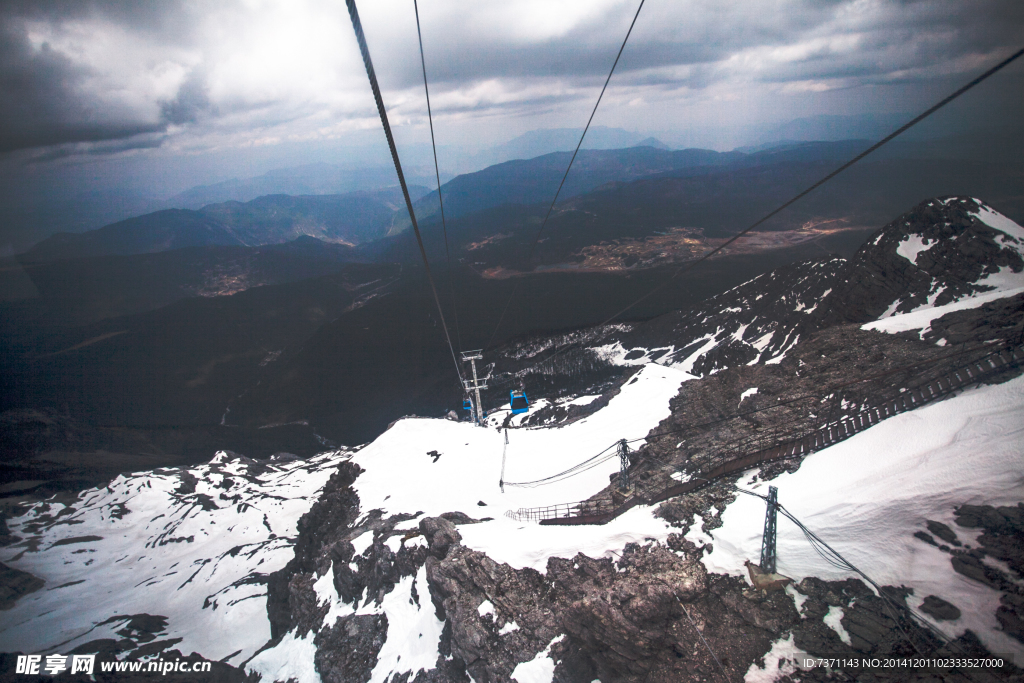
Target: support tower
x=473, y=386
x=768, y=542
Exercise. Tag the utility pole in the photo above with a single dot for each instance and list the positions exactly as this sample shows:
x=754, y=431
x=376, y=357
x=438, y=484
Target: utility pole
x=768, y=542
x=475, y=385
x=623, y=465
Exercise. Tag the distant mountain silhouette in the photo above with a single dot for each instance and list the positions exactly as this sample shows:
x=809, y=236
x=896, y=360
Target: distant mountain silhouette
x=348, y=219
x=534, y=181
x=318, y=178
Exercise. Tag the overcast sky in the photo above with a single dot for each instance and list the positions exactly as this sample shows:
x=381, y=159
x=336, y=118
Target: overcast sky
x=190, y=76
x=200, y=88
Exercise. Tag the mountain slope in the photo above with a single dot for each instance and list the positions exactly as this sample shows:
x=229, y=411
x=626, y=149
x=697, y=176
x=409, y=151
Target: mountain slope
x=348, y=219
x=406, y=567
x=974, y=250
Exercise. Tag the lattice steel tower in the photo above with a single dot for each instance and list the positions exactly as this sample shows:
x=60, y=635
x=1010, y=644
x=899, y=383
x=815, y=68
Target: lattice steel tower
x=623, y=465
x=768, y=542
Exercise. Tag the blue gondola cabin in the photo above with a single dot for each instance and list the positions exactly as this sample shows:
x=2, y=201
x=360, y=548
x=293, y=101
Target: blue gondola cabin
x=519, y=402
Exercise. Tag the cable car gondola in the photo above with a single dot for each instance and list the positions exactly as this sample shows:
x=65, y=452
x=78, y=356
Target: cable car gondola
x=519, y=402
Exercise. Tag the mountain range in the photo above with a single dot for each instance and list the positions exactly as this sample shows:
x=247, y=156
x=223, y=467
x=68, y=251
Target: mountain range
x=414, y=556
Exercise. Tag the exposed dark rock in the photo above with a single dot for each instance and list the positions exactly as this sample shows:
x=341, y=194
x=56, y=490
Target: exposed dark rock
x=939, y=608
x=14, y=584
x=1003, y=535
x=943, y=532
x=1010, y=614
x=973, y=568
x=330, y=516
x=347, y=651
x=926, y=538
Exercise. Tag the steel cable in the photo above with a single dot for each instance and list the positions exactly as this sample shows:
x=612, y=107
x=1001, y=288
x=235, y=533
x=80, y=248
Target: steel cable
x=551, y=208
x=364, y=50
x=437, y=175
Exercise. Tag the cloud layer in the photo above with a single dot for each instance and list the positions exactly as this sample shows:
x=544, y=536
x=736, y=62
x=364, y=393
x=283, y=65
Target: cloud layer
x=88, y=77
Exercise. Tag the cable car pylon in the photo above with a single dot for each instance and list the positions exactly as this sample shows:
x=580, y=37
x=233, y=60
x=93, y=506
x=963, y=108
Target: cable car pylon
x=473, y=386
x=768, y=540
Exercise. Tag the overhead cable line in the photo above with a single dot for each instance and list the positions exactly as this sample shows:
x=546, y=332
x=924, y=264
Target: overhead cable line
x=834, y=558
x=437, y=174
x=579, y=468
x=536, y=239
x=902, y=129
x=358, y=27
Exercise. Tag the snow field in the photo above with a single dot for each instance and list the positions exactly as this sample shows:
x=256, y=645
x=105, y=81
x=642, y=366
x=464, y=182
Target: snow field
x=162, y=553
x=866, y=497
x=401, y=477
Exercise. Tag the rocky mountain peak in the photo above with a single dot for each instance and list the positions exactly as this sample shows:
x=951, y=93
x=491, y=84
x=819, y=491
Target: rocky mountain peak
x=940, y=251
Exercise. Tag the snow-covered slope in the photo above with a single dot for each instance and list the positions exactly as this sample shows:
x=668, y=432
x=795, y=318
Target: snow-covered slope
x=191, y=545
x=868, y=495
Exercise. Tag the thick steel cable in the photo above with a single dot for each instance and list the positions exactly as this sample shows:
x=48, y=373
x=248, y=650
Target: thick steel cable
x=437, y=174
x=536, y=239
x=902, y=129
x=361, y=38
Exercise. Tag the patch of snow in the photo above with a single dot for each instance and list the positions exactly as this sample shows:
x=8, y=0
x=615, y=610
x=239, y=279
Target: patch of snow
x=414, y=631
x=1004, y=279
x=616, y=354
x=998, y=221
x=923, y=317
x=362, y=542
x=749, y=392
x=473, y=457
x=508, y=628
x=697, y=535
x=540, y=669
x=891, y=311
x=867, y=495
x=486, y=607
x=912, y=246
x=761, y=342
x=326, y=592
x=291, y=659
x=527, y=544
x=686, y=365
x=798, y=598
x=784, y=659
x=834, y=620
x=578, y=400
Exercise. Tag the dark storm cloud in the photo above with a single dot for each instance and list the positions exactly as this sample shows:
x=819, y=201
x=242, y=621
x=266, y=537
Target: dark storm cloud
x=103, y=148
x=899, y=36
x=151, y=17
x=190, y=102
x=40, y=104
x=44, y=99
